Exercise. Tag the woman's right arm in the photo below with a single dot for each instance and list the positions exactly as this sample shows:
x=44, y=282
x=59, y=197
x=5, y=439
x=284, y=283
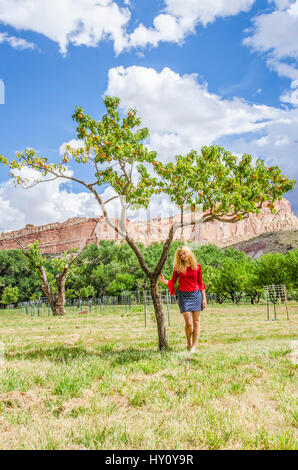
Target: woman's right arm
x=162, y=279
x=170, y=283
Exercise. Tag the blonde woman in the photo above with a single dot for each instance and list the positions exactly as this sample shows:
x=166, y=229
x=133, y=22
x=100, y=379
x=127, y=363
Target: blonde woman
x=191, y=292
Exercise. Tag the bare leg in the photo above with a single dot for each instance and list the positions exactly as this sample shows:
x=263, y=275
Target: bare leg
x=196, y=329
x=188, y=328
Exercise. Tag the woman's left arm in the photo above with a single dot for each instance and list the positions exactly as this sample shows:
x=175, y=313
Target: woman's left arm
x=204, y=299
x=202, y=286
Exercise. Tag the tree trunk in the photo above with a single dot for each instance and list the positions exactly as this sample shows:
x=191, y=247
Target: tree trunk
x=59, y=310
x=182, y=222
x=60, y=296
x=153, y=278
x=160, y=318
x=238, y=298
x=219, y=299
x=56, y=302
x=47, y=289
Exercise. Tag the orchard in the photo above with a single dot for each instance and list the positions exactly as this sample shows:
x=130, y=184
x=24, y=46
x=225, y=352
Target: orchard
x=228, y=188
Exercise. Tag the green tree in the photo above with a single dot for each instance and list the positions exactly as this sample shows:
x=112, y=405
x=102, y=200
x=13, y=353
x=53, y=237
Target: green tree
x=229, y=281
x=14, y=271
x=87, y=292
x=71, y=293
x=271, y=268
x=251, y=285
x=123, y=282
x=210, y=255
x=53, y=287
x=291, y=267
x=10, y=295
x=210, y=274
x=228, y=189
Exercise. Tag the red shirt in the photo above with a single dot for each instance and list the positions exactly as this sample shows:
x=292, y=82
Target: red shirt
x=190, y=281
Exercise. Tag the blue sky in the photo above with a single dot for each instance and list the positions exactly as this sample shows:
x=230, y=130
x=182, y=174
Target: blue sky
x=198, y=71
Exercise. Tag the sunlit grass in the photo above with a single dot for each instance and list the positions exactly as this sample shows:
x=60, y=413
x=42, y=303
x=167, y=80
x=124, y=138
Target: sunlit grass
x=99, y=382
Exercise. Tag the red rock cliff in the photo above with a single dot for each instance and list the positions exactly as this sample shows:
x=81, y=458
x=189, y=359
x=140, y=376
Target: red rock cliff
x=59, y=237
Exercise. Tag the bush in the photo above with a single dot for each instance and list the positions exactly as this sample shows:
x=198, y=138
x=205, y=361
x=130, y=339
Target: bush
x=10, y=295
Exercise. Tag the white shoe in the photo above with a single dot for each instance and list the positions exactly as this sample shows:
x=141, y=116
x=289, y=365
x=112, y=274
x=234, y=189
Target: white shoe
x=192, y=350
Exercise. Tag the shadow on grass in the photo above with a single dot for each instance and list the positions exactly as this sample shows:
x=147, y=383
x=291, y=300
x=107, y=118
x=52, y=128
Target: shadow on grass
x=126, y=356
x=63, y=353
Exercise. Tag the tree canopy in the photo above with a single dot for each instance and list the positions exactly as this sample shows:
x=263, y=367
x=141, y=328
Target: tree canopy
x=226, y=187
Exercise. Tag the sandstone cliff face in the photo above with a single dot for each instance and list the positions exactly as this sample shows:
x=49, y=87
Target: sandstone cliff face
x=60, y=237
x=223, y=234
x=53, y=238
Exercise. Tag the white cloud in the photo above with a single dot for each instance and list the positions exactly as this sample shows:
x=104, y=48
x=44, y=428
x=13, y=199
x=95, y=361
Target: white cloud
x=73, y=143
x=283, y=69
x=78, y=22
x=180, y=111
x=277, y=146
x=180, y=19
x=281, y=4
x=182, y=114
x=55, y=201
x=41, y=204
x=275, y=34
x=291, y=96
x=87, y=22
x=206, y=11
x=166, y=28
x=16, y=43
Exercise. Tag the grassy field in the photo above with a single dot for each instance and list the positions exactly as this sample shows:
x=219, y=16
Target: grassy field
x=98, y=381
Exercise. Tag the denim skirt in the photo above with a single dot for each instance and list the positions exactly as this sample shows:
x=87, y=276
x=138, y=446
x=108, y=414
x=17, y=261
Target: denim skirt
x=190, y=301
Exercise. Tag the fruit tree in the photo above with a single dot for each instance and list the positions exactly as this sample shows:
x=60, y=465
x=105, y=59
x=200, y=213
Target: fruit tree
x=228, y=188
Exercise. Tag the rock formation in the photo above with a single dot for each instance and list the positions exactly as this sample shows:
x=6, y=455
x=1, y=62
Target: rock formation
x=59, y=237
x=282, y=241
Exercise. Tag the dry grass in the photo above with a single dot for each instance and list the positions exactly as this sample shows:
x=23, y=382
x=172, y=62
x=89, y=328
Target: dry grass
x=99, y=382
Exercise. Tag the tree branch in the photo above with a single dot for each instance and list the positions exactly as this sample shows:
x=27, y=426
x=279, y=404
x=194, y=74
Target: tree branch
x=165, y=250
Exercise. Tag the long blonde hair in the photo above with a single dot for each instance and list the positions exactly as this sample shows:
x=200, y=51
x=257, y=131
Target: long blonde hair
x=179, y=265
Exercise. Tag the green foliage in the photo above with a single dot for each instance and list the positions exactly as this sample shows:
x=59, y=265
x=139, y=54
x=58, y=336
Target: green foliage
x=15, y=271
x=104, y=142
x=291, y=267
x=230, y=280
x=253, y=285
x=111, y=268
x=272, y=269
x=71, y=294
x=34, y=256
x=227, y=188
x=10, y=295
x=123, y=282
x=87, y=292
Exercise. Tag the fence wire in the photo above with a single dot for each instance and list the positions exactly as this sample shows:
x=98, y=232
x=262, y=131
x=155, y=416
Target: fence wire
x=130, y=302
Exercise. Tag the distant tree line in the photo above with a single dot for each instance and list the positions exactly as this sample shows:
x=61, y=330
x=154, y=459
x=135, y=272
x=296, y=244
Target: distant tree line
x=110, y=269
